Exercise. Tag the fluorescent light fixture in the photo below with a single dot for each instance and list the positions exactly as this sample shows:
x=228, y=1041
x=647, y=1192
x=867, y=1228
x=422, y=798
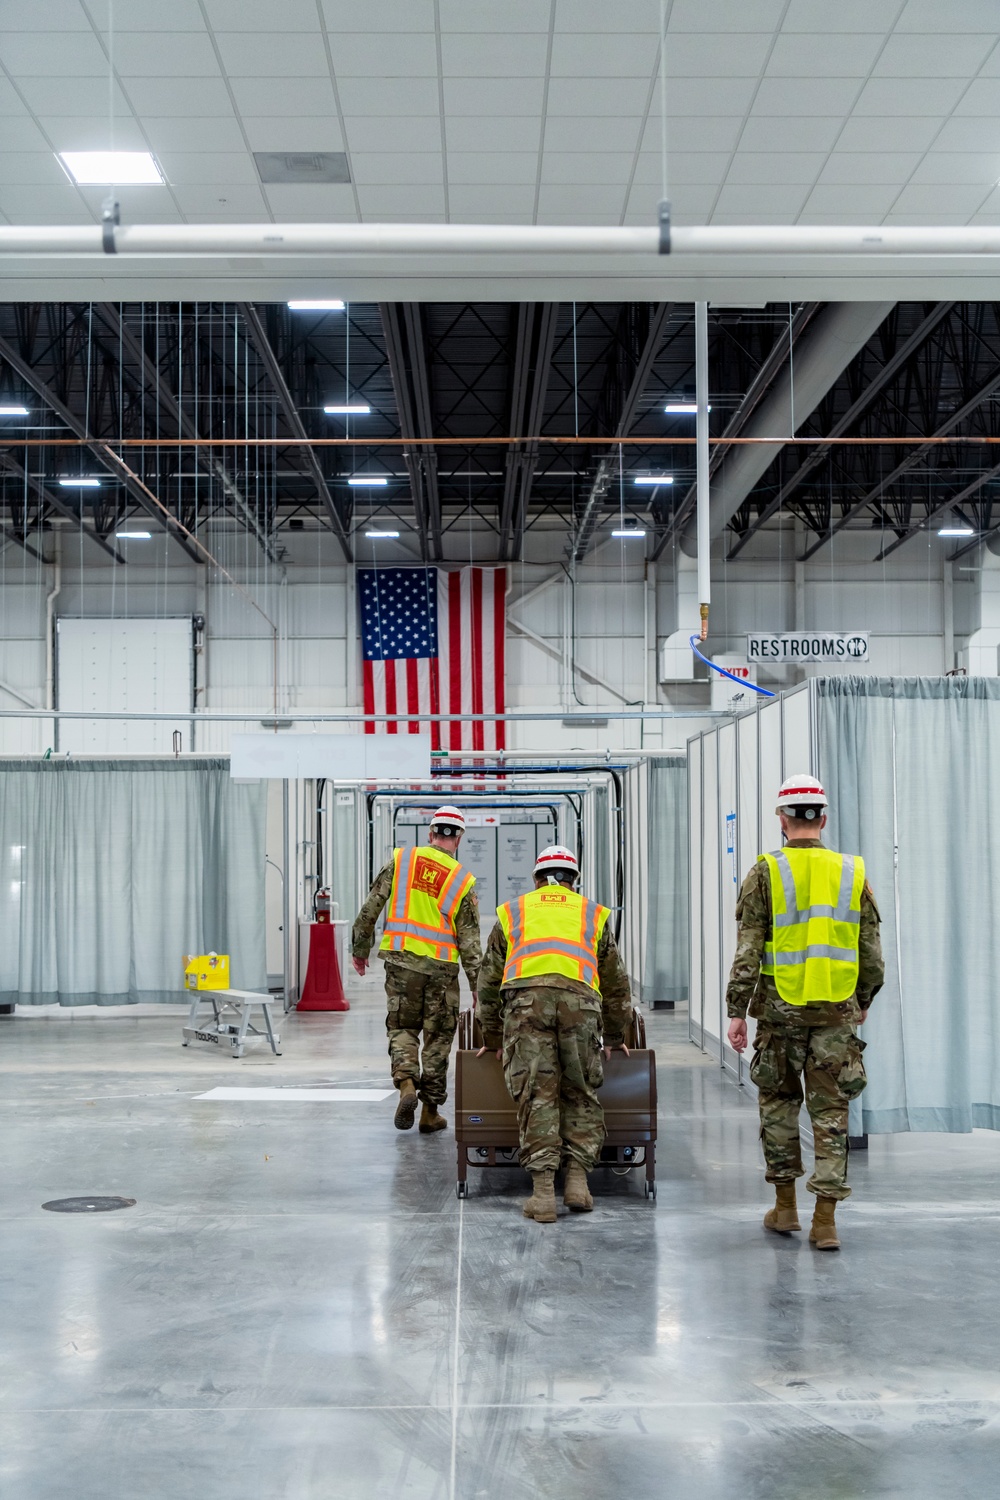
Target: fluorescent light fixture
x=653, y=479
x=956, y=531
x=136, y=536
x=682, y=408
x=630, y=531
x=363, y=481
x=317, y=304
x=13, y=411
x=348, y=410
x=80, y=484
x=378, y=535
x=111, y=168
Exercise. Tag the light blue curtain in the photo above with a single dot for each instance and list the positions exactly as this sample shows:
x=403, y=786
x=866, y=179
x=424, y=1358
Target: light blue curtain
x=666, y=967
x=912, y=769
x=112, y=870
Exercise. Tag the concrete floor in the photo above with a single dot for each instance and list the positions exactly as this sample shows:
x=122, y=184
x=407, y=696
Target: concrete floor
x=299, y=1308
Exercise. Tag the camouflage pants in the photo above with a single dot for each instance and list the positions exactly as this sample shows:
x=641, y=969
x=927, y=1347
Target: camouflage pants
x=553, y=1069
x=428, y=1003
x=828, y=1059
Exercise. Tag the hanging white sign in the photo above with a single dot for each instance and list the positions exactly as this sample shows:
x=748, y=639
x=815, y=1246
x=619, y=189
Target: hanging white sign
x=829, y=646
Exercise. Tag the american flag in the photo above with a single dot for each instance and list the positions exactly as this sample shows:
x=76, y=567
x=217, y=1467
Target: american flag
x=432, y=641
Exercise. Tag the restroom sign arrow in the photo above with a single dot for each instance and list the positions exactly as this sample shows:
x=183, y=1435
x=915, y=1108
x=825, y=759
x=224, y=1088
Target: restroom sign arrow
x=827, y=647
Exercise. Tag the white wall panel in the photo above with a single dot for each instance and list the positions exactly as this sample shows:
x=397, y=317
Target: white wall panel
x=124, y=666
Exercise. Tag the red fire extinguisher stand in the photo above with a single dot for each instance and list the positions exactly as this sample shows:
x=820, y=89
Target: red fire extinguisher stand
x=324, y=988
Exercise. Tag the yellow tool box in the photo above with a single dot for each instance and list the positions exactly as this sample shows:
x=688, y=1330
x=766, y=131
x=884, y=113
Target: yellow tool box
x=206, y=971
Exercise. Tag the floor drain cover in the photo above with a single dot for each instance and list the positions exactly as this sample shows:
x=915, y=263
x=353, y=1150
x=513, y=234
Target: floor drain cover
x=87, y=1205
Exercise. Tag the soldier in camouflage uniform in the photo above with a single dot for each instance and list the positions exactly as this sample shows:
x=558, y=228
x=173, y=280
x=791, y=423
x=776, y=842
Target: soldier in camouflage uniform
x=549, y=1026
x=815, y=1041
x=422, y=991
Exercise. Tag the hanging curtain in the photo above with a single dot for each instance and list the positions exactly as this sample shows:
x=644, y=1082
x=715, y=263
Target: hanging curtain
x=666, y=966
x=112, y=870
x=912, y=770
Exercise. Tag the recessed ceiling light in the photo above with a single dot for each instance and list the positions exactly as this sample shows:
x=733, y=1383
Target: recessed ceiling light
x=364, y=480
x=378, y=535
x=317, y=304
x=630, y=531
x=80, y=484
x=135, y=536
x=956, y=531
x=682, y=408
x=13, y=411
x=653, y=479
x=111, y=168
x=348, y=410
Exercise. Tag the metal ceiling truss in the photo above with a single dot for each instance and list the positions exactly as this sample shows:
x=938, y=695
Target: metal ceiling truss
x=533, y=338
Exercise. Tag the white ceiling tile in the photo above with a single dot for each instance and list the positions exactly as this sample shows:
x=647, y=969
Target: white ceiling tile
x=10, y=101
x=782, y=132
x=695, y=133
x=380, y=96
x=261, y=15
x=44, y=15
x=268, y=54
x=363, y=54
x=494, y=55
x=276, y=133
x=401, y=202
x=788, y=168
x=951, y=202
x=197, y=132
x=965, y=15
x=595, y=133
x=193, y=168
x=973, y=168
x=37, y=168
x=386, y=168
x=226, y=202
x=90, y=133
x=72, y=96
x=179, y=96
x=285, y=97
x=139, y=205
x=494, y=132
x=313, y=203
x=933, y=56
x=696, y=97
x=968, y=133
x=856, y=205
x=394, y=133
x=384, y=16
x=748, y=15
x=805, y=96
x=852, y=16
x=43, y=205
x=583, y=55
x=572, y=167
x=481, y=15
x=991, y=67
x=600, y=96
x=909, y=96
x=488, y=167
x=20, y=133
x=758, y=204
x=693, y=167
x=692, y=205
x=165, y=54
x=888, y=133
x=823, y=55
x=494, y=96
x=729, y=55
x=869, y=167
x=594, y=204
x=982, y=97
x=48, y=54
x=484, y=203
x=151, y=15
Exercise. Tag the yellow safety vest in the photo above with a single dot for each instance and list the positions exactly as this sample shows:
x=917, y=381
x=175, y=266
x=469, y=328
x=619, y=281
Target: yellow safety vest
x=815, y=924
x=552, y=930
x=428, y=887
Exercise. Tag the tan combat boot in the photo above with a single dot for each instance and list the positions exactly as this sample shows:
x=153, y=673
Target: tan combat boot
x=823, y=1233
x=784, y=1216
x=576, y=1193
x=407, y=1106
x=541, y=1206
x=430, y=1120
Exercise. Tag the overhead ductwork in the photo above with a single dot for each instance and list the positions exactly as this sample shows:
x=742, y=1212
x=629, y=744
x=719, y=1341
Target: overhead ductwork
x=834, y=338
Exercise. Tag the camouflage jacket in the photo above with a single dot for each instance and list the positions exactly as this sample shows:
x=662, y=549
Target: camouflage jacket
x=615, y=997
x=466, y=932
x=750, y=990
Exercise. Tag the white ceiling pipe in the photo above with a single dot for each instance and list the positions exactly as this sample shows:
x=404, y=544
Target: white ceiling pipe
x=513, y=239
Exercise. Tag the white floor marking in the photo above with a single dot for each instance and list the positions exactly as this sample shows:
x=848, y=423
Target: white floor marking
x=454, y=1355
x=284, y=1095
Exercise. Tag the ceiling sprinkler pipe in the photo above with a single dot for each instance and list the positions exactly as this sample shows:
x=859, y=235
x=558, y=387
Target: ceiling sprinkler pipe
x=702, y=463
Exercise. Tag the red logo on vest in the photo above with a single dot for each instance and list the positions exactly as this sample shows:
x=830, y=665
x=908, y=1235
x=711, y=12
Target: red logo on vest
x=428, y=876
x=552, y=896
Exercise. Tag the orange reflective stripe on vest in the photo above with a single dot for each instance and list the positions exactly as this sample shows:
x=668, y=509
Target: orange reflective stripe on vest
x=428, y=887
x=552, y=930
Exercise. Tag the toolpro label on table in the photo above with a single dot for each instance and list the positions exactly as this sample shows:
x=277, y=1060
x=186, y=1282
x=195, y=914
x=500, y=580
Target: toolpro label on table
x=808, y=645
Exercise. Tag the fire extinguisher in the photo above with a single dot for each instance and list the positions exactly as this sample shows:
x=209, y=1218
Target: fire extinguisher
x=322, y=905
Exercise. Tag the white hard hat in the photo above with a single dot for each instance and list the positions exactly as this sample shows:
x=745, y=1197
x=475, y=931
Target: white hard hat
x=801, y=796
x=556, y=857
x=448, y=817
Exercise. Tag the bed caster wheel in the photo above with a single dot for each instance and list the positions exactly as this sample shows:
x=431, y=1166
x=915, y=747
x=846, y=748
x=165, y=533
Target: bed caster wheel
x=650, y=1190
x=461, y=1190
